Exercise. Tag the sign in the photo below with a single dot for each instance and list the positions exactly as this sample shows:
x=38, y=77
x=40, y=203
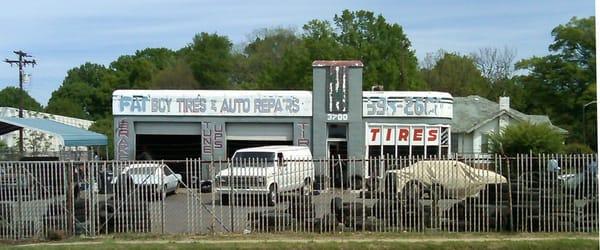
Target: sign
x=337, y=90
x=212, y=103
x=403, y=135
x=407, y=104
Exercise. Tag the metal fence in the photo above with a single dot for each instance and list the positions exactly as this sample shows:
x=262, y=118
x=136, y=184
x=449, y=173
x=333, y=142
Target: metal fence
x=527, y=193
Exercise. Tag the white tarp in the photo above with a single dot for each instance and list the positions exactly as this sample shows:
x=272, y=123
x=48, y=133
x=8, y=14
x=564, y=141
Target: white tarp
x=458, y=179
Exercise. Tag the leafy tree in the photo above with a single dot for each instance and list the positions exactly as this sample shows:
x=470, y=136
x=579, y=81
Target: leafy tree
x=524, y=138
x=361, y=35
x=210, y=58
x=177, y=76
x=455, y=74
x=276, y=59
x=105, y=126
x=578, y=148
x=10, y=97
x=560, y=84
x=85, y=93
x=3, y=146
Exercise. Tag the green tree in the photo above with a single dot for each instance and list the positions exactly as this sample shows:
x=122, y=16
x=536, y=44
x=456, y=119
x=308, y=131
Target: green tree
x=105, y=126
x=361, y=35
x=455, y=74
x=210, y=58
x=85, y=93
x=560, y=84
x=524, y=138
x=10, y=97
x=276, y=59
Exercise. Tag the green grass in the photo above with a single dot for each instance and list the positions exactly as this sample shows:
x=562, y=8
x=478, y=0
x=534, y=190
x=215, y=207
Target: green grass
x=460, y=245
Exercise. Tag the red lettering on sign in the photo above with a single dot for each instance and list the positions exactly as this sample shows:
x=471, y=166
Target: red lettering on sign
x=388, y=136
x=403, y=134
x=374, y=132
x=417, y=134
x=432, y=135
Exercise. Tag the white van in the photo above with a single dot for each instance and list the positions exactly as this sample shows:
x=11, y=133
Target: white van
x=267, y=170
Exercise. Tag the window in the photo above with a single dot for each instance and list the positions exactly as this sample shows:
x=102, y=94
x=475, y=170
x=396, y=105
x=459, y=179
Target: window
x=167, y=171
x=336, y=131
x=484, y=143
x=454, y=143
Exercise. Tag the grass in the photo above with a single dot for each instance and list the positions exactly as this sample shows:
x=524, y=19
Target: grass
x=462, y=241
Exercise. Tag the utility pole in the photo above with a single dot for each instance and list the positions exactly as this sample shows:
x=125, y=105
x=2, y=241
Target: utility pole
x=22, y=62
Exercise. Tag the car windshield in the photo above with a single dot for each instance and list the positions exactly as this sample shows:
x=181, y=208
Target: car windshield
x=253, y=159
x=142, y=170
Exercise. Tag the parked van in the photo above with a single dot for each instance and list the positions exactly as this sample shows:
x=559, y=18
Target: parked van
x=269, y=170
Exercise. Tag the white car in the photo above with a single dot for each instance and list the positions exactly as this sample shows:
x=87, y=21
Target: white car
x=269, y=170
x=457, y=179
x=153, y=177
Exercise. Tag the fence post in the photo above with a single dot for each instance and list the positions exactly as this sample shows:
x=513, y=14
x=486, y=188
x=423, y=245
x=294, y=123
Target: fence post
x=69, y=199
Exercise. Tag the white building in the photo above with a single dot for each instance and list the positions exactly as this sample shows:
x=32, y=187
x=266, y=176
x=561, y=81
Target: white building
x=476, y=117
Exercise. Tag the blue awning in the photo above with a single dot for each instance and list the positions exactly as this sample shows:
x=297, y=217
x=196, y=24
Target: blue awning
x=70, y=135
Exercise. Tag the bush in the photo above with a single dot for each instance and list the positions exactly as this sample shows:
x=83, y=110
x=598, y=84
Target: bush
x=578, y=148
x=524, y=138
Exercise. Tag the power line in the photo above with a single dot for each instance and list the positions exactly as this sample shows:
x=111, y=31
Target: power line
x=22, y=62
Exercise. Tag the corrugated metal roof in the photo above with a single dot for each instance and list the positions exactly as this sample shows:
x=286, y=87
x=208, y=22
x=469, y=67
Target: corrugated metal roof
x=71, y=136
x=473, y=111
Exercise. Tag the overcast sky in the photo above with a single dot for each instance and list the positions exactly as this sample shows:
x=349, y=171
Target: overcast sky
x=65, y=34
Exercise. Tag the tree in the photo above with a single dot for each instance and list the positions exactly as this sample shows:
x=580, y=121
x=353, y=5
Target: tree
x=177, y=76
x=383, y=47
x=105, y=126
x=10, y=97
x=559, y=84
x=210, y=59
x=524, y=138
x=85, y=93
x=455, y=74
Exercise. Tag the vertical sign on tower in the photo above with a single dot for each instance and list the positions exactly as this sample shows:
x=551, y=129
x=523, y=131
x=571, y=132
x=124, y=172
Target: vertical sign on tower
x=337, y=93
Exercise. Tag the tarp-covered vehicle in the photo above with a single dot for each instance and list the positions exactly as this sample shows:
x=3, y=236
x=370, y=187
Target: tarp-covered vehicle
x=454, y=179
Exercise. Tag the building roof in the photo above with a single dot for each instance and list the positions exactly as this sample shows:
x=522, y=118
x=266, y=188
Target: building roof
x=474, y=111
x=71, y=136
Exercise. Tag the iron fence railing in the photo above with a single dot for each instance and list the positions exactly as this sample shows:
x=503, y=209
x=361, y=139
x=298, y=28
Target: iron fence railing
x=526, y=193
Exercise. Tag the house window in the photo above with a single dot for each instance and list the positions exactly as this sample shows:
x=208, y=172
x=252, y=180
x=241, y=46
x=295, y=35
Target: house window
x=484, y=143
x=454, y=143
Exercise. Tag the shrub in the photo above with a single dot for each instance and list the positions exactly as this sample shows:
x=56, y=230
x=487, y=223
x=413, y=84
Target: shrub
x=578, y=148
x=524, y=138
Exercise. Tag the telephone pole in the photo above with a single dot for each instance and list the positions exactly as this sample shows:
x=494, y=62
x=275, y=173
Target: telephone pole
x=22, y=62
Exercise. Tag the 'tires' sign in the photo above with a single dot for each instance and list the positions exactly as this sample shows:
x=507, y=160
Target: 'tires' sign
x=418, y=135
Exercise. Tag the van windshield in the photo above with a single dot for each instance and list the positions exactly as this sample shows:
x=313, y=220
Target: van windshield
x=253, y=159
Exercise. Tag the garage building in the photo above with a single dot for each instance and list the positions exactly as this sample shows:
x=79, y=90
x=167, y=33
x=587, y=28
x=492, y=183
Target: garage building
x=337, y=119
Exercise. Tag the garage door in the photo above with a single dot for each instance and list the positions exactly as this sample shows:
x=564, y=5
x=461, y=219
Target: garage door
x=260, y=131
x=168, y=128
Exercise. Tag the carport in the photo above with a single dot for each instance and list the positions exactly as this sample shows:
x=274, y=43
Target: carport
x=69, y=135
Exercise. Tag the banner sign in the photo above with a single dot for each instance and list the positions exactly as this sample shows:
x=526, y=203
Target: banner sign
x=407, y=104
x=212, y=103
x=403, y=135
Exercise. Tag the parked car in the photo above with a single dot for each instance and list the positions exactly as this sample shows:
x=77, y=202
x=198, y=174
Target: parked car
x=582, y=183
x=154, y=177
x=268, y=170
x=455, y=179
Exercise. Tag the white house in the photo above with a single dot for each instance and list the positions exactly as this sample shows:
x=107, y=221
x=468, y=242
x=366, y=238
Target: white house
x=475, y=117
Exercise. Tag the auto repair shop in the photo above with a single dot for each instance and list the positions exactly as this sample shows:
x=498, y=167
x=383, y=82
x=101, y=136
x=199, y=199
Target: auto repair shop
x=336, y=119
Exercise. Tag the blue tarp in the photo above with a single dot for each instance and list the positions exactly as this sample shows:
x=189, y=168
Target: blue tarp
x=70, y=135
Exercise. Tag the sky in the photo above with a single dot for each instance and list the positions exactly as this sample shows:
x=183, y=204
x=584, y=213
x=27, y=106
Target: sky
x=65, y=34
